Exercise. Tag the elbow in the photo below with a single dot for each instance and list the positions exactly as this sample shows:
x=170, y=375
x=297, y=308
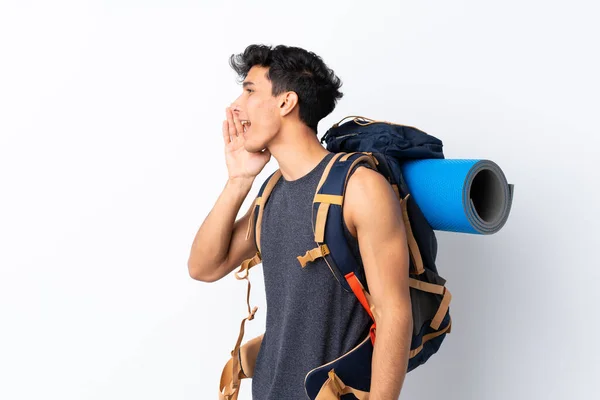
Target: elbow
x=192, y=271
x=196, y=273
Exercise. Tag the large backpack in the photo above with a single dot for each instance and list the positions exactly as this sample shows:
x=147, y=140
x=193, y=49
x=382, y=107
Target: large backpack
x=385, y=147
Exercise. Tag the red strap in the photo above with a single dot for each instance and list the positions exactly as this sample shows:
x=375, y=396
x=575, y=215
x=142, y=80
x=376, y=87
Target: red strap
x=360, y=295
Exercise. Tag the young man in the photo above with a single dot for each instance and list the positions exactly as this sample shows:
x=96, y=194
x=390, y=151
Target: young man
x=310, y=319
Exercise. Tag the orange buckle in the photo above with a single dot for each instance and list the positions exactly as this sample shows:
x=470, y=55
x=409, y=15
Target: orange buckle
x=312, y=255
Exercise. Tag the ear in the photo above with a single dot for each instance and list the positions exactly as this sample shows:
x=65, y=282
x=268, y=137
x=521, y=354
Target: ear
x=287, y=103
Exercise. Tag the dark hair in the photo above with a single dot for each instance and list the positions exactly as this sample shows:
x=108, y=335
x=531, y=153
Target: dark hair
x=294, y=69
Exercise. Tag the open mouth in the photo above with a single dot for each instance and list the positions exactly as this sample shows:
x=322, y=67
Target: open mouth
x=245, y=124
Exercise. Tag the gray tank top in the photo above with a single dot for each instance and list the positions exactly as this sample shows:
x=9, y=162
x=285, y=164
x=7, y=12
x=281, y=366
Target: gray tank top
x=310, y=319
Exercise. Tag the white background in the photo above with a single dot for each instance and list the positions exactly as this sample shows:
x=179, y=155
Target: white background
x=111, y=157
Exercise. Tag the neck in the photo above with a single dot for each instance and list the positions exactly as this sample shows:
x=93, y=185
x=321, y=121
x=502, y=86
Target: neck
x=297, y=151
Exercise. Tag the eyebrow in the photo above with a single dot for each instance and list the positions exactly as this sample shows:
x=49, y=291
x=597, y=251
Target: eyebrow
x=247, y=83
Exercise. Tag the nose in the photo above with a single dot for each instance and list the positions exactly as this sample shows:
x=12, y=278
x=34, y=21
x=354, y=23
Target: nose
x=235, y=107
x=236, y=104
x=237, y=110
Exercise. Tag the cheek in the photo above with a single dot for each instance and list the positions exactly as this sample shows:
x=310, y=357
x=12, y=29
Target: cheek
x=266, y=116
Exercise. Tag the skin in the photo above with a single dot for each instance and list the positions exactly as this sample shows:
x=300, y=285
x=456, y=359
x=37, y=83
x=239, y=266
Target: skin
x=275, y=126
x=371, y=211
x=383, y=248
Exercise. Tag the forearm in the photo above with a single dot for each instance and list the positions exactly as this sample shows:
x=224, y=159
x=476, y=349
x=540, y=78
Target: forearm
x=211, y=244
x=390, y=354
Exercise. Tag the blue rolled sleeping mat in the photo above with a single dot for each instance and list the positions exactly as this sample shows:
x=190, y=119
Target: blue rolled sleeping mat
x=457, y=195
x=460, y=195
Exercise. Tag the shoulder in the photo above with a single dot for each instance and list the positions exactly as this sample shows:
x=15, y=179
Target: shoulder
x=366, y=190
x=363, y=178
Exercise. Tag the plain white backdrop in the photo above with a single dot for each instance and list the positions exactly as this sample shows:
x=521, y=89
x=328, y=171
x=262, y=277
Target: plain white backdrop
x=111, y=156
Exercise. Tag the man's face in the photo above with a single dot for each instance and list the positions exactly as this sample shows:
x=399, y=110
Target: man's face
x=257, y=105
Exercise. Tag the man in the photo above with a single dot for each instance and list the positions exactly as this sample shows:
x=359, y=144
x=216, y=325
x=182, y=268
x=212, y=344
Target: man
x=310, y=319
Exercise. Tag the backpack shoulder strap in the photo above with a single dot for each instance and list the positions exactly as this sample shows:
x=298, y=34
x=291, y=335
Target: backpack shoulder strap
x=327, y=217
x=259, y=204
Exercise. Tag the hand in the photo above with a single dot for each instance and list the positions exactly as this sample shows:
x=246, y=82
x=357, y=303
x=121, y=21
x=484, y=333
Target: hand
x=241, y=164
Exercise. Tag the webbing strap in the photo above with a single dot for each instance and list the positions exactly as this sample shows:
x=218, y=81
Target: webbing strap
x=441, y=312
x=257, y=202
x=226, y=389
x=327, y=170
x=428, y=337
x=347, y=156
x=425, y=286
x=436, y=289
x=326, y=199
x=415, y=253
x=334, y=388
x=232, y=372
x=370, y=159
x=235, y=353
x=359, y=292
x=329, y=198
x=265, y=195
x=312, y=255
x=368, y=153
x=321, y=221
x=247, y=362
x=246, y=265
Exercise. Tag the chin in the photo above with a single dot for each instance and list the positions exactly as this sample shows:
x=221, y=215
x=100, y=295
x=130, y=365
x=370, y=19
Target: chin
x=251, y=148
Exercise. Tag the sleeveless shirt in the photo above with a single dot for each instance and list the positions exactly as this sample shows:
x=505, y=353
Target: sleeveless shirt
x=310, y=318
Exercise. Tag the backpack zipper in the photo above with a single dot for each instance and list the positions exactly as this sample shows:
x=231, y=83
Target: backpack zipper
x=349, y=134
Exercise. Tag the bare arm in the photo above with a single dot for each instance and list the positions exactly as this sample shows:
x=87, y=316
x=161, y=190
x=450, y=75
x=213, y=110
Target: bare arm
x=383, y=246
x=220, y=244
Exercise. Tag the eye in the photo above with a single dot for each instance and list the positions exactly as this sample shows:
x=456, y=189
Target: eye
x=249, y=90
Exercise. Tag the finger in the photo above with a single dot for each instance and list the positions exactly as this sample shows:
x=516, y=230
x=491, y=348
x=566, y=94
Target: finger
x=232, y=130
x=226, y=136
x=238, y=125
